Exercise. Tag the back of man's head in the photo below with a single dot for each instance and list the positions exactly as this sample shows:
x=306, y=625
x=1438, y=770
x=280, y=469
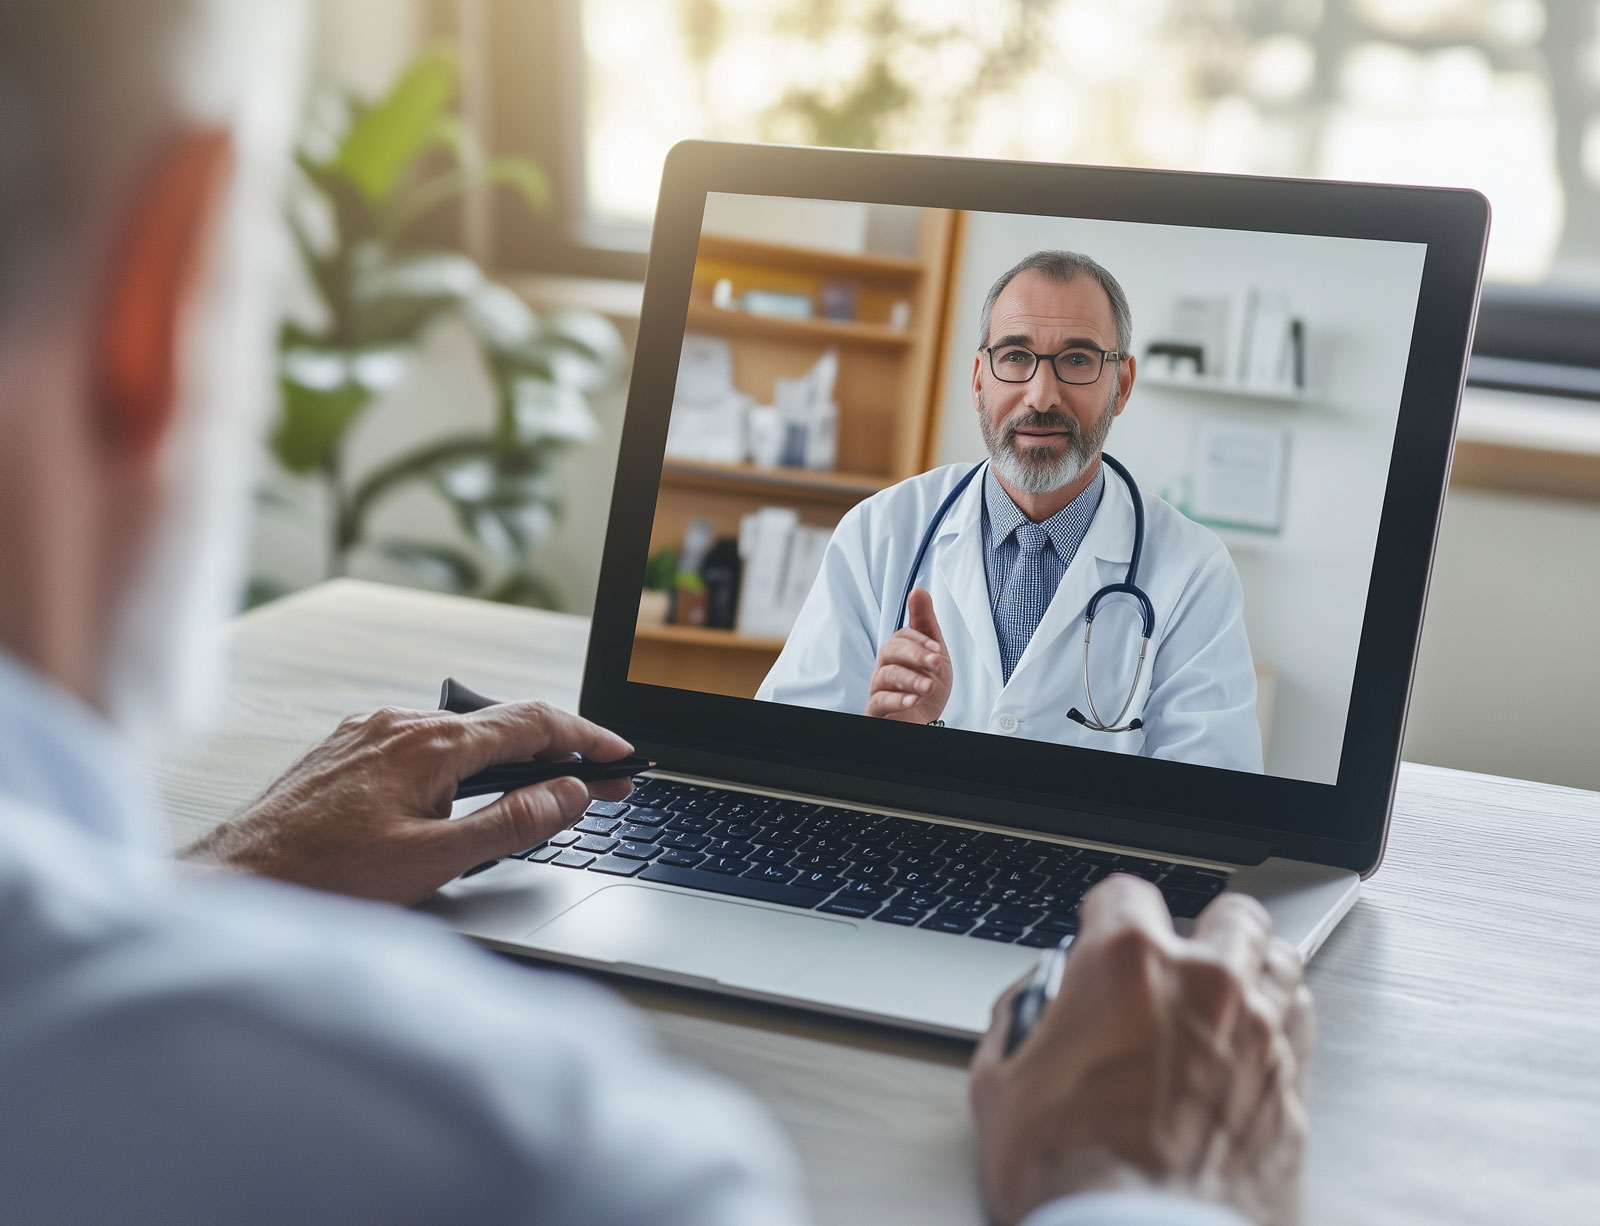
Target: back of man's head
x=138, y=143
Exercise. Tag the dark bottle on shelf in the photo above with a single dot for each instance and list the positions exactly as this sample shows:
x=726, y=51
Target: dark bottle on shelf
x=721, y=573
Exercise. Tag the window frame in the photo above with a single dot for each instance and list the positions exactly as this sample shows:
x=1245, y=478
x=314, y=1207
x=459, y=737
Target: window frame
x=1537, y=340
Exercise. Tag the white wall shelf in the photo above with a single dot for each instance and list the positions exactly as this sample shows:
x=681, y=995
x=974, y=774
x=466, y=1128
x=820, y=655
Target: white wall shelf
x=1226, y=389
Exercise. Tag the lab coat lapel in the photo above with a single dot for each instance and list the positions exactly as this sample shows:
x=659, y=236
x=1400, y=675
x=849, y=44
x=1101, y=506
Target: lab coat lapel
x=960, y=573
x=1102, y=558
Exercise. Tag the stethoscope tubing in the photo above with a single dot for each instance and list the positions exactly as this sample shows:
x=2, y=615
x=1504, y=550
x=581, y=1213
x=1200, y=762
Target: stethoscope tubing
x=1129, y=586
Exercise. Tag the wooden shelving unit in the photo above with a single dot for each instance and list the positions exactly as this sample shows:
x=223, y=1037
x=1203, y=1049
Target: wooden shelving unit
x=886, y=393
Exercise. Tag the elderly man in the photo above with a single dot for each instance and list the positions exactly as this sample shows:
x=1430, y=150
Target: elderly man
x=1006, y=560
x=205, y=1045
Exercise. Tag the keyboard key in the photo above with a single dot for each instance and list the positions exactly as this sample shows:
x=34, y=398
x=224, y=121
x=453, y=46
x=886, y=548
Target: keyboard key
x=997, y=932
x=875, y=890
x=573, y=859
x=1060, y=925
x=965, y=887
x=722, y=883
x=873, y=853
x=738, y=830
x=648, y=817
x=594, y=843
x=564, y=838
x=636, y=833
x=607, y=808
x=773, y=855
x=826, y=882
x=740, y=848
x=597, y=825
x=821, y=861
x=906, y=916
x=965, y=907
x=771, y=872
x=861, y=908
x=542, y=855
x=923, y=900
x=1020, y=917
x=1186, y=904
x=682, y=840
x=1035, y=939
x=771, y=837
x=918, y=878
x=944, y=922
x=617, y=866
x=681, y=859
x=637, y=851
x=726, y=864
x=872, y=871
x=691, y=823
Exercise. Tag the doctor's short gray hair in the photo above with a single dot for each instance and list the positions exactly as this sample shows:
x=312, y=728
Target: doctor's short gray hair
x=1061, y=267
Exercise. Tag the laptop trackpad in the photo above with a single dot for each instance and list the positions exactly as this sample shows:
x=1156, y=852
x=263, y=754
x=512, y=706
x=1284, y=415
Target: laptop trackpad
x=707, y=938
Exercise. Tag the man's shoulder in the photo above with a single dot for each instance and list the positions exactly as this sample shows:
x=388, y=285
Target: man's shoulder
x=918, y=496
x=1181, y=539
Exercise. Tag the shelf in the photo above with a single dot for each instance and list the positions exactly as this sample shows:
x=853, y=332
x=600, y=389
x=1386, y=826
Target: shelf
x=703, y=317
x=700, y=636
x=1226, y=390
x=865, y=265
x=807, y=482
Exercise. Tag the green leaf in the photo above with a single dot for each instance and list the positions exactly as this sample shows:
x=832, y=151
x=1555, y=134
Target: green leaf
x=384, y=139
x=314, y=422
x=440, y=566
x=518, y=173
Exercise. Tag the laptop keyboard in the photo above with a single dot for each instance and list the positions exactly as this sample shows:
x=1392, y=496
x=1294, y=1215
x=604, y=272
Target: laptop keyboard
x=895, y=870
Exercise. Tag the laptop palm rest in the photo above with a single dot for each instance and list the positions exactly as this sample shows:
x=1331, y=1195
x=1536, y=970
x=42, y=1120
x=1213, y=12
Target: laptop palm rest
x=701, y=938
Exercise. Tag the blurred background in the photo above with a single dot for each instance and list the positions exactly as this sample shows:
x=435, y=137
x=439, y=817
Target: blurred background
x=477, y=179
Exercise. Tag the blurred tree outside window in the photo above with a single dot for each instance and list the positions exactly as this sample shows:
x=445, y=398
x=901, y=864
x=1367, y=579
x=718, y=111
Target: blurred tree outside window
x=1500, y=95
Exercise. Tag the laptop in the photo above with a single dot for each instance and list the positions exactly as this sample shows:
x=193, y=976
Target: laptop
x=918, y=665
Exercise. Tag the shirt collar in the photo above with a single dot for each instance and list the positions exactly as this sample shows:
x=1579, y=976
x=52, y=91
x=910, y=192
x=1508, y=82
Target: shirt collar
x=61, y=758
x=1066, y=528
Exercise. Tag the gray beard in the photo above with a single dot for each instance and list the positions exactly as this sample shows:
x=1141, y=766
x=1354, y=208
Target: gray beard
x=1040, y=474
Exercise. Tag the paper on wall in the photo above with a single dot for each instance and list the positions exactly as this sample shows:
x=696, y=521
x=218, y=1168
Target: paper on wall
x=1239, y=475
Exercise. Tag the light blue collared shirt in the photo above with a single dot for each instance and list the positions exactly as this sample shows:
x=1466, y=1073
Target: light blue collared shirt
x=1064, y=532
x=185, y=1048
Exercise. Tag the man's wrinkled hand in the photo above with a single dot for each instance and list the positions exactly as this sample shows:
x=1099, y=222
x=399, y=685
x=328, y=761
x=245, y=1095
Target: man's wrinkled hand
x=1163, y=1063
x=363, y=812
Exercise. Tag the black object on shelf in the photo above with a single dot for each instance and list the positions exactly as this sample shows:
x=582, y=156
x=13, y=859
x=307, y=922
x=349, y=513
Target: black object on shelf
x=722, y=572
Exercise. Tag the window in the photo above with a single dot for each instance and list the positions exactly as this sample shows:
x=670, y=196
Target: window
x=1501, y=95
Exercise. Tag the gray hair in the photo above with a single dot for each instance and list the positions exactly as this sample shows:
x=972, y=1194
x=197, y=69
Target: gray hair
x=1061, y=267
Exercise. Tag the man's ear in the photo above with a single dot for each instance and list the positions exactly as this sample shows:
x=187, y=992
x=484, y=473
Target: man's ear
x=156, y=260
x=1126, y=370
x=977, y=378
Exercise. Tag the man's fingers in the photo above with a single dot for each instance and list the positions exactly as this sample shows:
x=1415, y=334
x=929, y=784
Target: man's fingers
x=902, y=680
x=518, y=820
x=881, y=703
x=919, y=615
x=907, y=652
x=1121, y=902
x=517, y=731
x=1237, y=929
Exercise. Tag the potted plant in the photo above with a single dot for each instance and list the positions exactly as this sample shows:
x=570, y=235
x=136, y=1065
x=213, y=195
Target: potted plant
x=372, y=173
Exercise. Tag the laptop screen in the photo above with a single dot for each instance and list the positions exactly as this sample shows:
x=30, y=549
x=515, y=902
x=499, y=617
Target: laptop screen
x=1106, y=484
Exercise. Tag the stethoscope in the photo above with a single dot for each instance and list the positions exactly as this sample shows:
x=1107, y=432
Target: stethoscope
x=1129, y=586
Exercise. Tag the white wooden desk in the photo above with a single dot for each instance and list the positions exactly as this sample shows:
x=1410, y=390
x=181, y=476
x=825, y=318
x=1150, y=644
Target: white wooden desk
x=1458, y=1064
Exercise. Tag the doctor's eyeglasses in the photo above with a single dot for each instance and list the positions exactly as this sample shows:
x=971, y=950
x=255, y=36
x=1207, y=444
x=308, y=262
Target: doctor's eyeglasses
x=1080, y=364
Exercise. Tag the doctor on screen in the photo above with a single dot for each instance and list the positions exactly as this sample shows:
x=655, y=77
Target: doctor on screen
x=962, y=596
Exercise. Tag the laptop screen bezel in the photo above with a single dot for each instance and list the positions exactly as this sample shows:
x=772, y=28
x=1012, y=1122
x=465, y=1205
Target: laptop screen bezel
x=1017, y=782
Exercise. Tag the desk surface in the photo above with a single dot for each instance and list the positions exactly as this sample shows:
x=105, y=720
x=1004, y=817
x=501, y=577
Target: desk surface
x=1458, y=1063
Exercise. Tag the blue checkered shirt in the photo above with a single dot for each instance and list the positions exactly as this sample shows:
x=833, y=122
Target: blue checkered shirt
x=1019, y=591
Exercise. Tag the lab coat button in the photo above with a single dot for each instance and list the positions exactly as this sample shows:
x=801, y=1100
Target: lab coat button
x=1007, y=723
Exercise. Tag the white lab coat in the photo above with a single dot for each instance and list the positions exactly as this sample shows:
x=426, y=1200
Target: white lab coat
x=1197, y=696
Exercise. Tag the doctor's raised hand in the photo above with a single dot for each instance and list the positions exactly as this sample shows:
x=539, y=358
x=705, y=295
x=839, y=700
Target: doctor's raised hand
x=912, y=680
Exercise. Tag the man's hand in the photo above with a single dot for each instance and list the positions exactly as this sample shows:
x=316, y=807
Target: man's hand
x=1163, y=1063
x=912, y=680
x=362, y=812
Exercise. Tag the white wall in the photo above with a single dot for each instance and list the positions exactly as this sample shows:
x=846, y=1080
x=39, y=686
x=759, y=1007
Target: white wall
x=1306, y=587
